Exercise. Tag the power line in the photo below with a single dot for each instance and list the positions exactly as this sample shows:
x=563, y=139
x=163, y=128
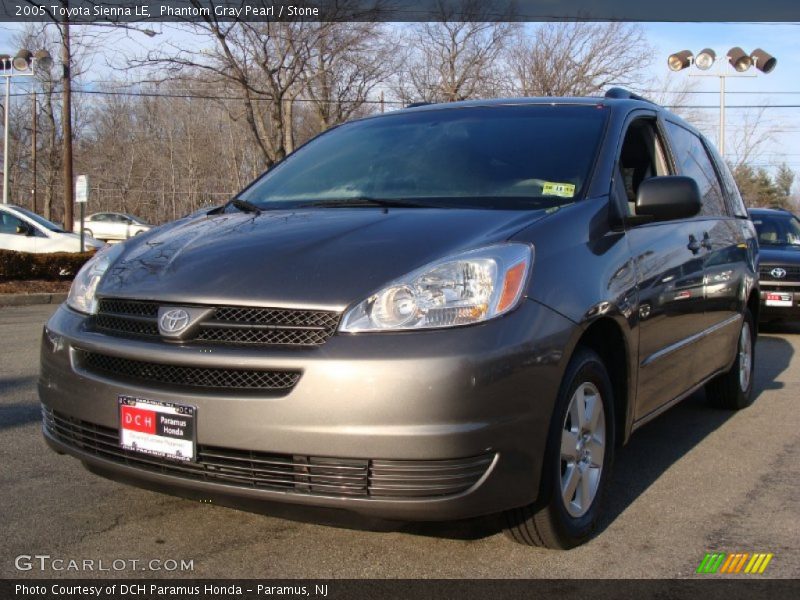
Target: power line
x=208, y=97
x=364, y=101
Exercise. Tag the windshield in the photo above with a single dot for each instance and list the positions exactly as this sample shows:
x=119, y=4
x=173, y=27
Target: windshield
x=530, y=156
x=40, y=220
x=777, y=230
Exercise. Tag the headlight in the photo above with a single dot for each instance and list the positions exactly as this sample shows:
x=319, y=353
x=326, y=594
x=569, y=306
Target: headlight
x=462, y=289
x=81, y=294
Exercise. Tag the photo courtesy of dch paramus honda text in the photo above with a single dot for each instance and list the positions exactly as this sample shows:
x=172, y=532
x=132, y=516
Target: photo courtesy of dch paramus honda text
x=438, y=313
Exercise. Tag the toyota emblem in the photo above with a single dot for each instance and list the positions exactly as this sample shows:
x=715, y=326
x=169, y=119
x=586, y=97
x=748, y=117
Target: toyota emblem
x=173, y=321
x=778, y=273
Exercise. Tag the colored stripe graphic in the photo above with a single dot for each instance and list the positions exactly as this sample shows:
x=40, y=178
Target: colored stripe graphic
x=711, y=562
x=720, y=562
x=758, y=564
x=741, y=562
x=734, y=562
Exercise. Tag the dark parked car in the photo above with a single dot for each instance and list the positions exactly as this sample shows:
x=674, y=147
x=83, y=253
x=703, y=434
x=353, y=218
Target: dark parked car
x=441, y=312
x=779, y=273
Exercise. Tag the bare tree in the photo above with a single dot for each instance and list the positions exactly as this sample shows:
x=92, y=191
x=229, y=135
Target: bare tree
x=451, y=60
x=749, y=138
x=577, y=59
x=263, y=62
x=349, y=62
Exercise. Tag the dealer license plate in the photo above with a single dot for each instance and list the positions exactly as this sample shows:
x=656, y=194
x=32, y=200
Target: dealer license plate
x=160, y=429
x=775, y=299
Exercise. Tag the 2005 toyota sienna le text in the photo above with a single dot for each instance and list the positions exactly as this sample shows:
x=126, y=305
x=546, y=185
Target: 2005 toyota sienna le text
x=441, y=312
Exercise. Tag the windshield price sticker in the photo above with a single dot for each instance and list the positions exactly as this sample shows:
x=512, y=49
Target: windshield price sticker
x=565, y=190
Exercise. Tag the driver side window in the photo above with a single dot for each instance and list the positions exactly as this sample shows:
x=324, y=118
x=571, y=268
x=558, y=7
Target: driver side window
x=12, y=225
x=642, y=157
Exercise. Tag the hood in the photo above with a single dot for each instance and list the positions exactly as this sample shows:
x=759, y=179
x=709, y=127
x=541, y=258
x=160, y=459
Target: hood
x=316, y=258
x=779, y=255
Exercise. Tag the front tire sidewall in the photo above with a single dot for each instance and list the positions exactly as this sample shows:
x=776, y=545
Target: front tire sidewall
x=585, y=367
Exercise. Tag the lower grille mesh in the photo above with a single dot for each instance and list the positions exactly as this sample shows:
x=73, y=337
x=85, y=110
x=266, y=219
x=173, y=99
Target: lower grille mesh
x=197, y=377
x=308, y=475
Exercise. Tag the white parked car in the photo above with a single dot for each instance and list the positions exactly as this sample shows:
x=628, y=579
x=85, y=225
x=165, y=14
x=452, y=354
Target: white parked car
x=25, y=231
x=112, y=226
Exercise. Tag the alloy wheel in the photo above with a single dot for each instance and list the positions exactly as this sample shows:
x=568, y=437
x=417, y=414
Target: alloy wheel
x=583, y=439
x=745, y=357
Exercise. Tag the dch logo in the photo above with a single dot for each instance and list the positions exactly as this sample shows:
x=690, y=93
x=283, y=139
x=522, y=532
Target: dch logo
x=136, y=419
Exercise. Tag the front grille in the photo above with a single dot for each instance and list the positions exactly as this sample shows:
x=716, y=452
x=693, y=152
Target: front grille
x=297, y=474
x=178, y=375
x=792, y=273
x=225, y=325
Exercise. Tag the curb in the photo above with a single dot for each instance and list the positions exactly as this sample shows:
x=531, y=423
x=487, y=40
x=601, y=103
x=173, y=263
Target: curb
x=29, y=299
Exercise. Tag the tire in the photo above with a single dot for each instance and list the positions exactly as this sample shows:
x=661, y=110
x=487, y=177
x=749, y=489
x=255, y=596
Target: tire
x=734, y=390
x=88, y=232
x=552, y=521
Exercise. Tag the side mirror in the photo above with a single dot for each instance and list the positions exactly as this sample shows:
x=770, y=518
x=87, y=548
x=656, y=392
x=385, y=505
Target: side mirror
x=667, y=198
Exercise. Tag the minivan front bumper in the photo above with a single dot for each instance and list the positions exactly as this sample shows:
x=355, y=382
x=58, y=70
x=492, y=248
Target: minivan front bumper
x=410, y=414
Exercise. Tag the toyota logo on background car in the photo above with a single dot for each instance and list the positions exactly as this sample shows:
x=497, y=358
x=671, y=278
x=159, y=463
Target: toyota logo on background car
x=778, y=273
x=173, y=321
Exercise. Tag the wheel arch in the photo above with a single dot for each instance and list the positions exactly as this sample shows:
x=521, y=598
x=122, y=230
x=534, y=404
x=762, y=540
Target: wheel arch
x=754, y=305
x=607, y=338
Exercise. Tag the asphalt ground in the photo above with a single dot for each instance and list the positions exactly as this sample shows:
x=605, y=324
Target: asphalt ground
x=695, y=480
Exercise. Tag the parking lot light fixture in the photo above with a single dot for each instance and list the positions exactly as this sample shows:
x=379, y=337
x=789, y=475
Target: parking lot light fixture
x=42, y=59
x=680, y=60
x=763, y=61
x=705, y=60
x=739, y=59
x=22, y=61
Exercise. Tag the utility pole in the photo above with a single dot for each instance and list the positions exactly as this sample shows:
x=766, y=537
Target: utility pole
x=66, y=119
x=33, y=152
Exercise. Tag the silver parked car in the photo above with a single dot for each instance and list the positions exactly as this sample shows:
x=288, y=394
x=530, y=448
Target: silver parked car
x=112, y=226
x=436, y=313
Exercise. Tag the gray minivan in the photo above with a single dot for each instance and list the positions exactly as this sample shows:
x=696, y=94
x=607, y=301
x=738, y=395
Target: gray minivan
x=437, y=313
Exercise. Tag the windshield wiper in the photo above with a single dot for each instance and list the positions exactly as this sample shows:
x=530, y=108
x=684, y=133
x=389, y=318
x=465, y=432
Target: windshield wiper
x=242, y=205
x=362, y=201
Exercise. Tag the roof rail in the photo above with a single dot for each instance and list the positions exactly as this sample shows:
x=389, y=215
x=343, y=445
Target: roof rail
x=619, y=93
x=416, y=104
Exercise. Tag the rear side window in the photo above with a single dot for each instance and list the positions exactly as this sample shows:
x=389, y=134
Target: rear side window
x=735, y=201
x=693, y=161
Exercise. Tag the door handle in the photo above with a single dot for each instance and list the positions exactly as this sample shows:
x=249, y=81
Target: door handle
x=694, y=245
x=706, y=243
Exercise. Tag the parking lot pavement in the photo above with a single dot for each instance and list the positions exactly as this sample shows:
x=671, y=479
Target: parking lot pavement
x=694, y=480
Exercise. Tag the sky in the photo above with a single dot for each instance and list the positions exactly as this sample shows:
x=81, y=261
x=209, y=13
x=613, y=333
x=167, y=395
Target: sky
x=780, y=87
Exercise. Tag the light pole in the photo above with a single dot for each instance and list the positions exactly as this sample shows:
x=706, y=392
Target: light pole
x=21, y=65
x=736, y=58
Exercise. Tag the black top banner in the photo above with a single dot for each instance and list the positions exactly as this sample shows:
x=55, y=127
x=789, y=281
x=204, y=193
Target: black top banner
x=118, y=11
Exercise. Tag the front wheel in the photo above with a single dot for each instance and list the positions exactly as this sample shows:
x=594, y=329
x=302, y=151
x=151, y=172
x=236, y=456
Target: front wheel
x=577, y=462
x=734, y=390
